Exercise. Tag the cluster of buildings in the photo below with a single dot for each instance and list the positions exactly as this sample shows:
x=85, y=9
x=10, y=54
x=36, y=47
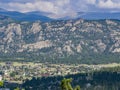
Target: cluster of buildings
x=18, y=72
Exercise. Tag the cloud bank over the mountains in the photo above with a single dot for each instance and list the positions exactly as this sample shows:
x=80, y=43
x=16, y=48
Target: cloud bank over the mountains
x=109, y=4
x=61, y=8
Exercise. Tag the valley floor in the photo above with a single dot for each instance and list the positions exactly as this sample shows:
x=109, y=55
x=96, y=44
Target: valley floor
x=17, y=72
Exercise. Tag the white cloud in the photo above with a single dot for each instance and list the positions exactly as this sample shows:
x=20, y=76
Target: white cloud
x=58, y=8
x=44, y=6
x=91, y=1
x=109, y=4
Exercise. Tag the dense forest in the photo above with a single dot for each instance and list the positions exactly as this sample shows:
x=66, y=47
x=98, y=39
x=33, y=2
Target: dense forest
x=87, y=59
x=105, y=79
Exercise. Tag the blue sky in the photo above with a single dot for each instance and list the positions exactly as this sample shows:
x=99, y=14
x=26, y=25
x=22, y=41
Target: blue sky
x=61, y=8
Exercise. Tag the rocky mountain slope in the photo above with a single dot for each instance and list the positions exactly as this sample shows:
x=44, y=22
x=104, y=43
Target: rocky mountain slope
x=73, y=41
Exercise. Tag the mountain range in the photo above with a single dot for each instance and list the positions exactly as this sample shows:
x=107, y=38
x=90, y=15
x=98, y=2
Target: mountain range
x=42, y=16
x=24, y=16
x=60, y=41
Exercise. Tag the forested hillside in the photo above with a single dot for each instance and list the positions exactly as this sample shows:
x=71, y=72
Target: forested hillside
x=60, y=41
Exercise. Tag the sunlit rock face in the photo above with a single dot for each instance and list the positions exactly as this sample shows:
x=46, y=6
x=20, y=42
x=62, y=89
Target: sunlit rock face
x=60, y=38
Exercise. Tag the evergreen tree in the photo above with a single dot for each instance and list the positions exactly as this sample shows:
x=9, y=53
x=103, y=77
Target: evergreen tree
x=17, y=88
x=1, y=83
x=66, y=85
